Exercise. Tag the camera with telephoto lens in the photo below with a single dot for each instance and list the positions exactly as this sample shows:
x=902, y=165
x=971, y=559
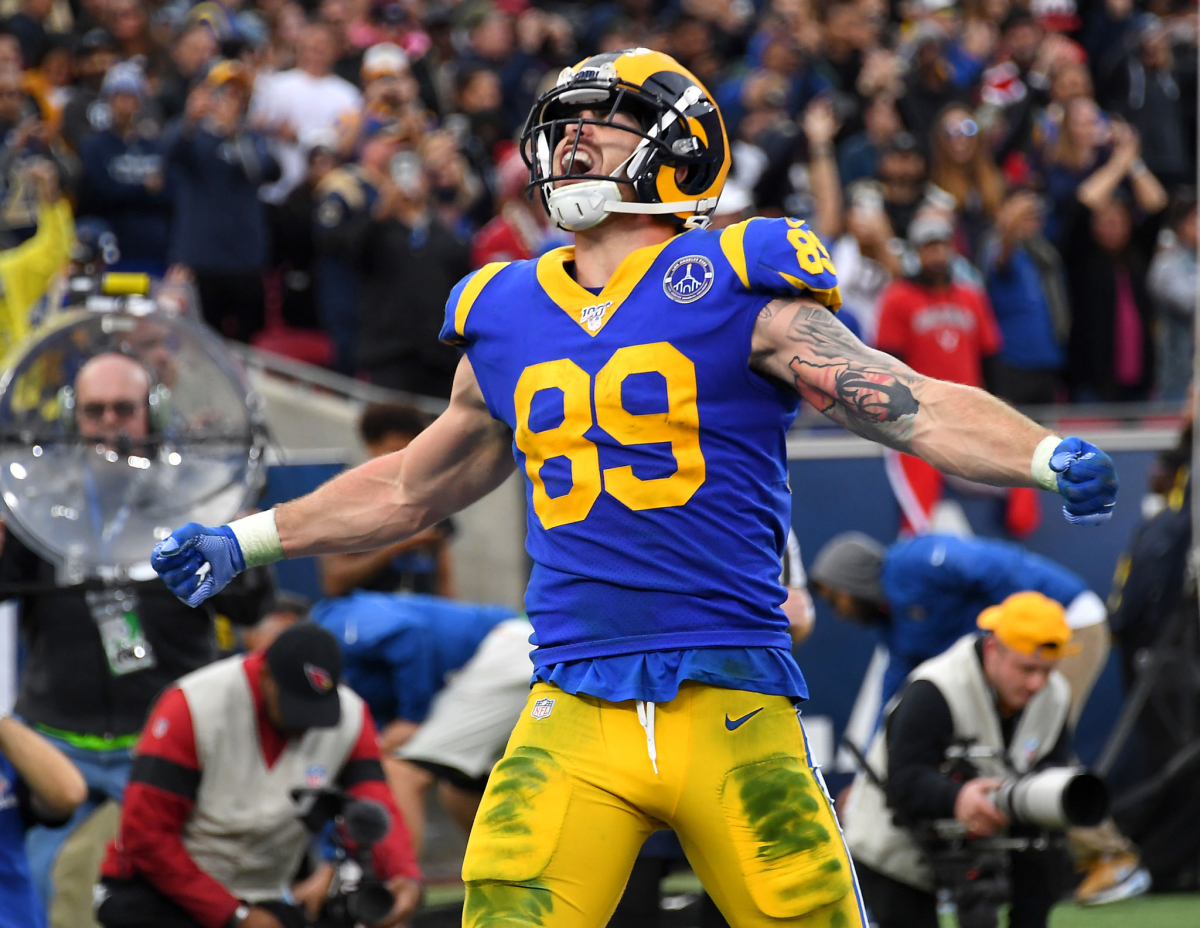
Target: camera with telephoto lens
x=1042, y=804
x=357, y=894
x=1054, y=799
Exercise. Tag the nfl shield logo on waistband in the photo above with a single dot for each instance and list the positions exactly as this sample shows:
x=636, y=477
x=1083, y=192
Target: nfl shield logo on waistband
x=542, y=708
x=315, y=776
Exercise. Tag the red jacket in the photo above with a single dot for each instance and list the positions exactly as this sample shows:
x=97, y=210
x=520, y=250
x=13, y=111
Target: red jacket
x=162, y=792
x=942, y=332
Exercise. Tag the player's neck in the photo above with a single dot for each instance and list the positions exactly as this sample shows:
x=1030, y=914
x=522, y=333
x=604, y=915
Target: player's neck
x=599, y=251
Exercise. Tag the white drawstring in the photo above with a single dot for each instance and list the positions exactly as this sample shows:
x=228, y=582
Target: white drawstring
x=645, y=712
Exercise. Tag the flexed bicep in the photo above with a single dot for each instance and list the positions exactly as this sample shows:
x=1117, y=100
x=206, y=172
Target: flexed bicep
x=869, y=392
x=958, y=429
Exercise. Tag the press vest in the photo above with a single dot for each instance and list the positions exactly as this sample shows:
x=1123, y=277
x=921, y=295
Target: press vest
x=243, y=830
x=872, y=836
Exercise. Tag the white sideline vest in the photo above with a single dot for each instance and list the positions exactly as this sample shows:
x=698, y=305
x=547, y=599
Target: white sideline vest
x=870, y=833
x=243, y=831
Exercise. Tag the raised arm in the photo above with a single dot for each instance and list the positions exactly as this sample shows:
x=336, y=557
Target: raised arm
x=460, y=458
x=957, y=429
x=56, y=786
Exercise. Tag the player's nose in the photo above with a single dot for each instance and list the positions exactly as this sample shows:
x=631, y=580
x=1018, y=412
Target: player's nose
x=586, y=129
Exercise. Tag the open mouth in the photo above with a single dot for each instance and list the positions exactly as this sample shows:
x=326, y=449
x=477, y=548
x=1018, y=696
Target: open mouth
x=582, y=163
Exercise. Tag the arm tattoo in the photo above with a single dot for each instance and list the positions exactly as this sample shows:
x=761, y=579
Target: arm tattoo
x=867, y=391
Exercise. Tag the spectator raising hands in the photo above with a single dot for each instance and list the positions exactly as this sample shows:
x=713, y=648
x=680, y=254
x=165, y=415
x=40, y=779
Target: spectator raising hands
x=950, y=107
x=1125, y=164
x=219, y=230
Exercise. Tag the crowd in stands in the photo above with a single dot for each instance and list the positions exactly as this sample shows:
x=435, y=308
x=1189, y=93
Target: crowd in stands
x=1005, y=185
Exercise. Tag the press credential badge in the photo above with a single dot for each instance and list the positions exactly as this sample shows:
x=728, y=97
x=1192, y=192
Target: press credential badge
x=115, y=613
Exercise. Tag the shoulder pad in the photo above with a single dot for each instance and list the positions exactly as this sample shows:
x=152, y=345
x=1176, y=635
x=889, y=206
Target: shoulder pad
x=782, y=257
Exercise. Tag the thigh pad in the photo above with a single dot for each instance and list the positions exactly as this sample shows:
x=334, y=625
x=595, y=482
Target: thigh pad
x=787, y=840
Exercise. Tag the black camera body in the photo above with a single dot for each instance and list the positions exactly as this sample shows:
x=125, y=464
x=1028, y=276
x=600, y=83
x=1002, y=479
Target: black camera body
x=1042, y=804
x=357, y=894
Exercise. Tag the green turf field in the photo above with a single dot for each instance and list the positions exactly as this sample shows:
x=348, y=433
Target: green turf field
x=1174, y=911
x=1144, y=912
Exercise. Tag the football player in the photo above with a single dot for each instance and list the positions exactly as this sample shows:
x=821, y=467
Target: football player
x=644, y=380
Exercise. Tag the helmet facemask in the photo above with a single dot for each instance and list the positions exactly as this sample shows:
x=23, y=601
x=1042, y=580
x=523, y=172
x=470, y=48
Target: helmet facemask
x=664, y=138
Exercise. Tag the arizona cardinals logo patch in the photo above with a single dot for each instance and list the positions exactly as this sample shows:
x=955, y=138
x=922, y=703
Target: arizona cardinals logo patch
x=320, y=680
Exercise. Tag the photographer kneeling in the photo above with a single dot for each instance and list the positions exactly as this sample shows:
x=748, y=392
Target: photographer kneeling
x=209, y=833
x=988, y=710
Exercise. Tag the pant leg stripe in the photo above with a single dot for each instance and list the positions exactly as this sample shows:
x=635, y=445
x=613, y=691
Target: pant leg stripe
x=862, y=908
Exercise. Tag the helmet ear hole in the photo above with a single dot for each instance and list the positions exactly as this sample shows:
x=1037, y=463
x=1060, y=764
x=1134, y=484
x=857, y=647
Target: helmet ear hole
x=685, y=176
x=699, y=178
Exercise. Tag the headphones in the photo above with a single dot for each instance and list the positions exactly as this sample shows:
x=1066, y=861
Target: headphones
x=158, y=405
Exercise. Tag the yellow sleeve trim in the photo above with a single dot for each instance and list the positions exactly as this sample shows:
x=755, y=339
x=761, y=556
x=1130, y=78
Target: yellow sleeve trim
x=471, y=293
x=733, y=243
x=830, y=298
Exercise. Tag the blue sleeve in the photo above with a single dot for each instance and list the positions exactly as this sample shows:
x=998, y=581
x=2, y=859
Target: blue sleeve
x=257, y=162
x=998, y=569
x=1050, y=579
x=409, y=658
x=994, y=570
x=179, y=146
x=982, y=568
x=325, y=846
x=990, y=256
x=781, y=257
x=269, y=166
x=966, y=67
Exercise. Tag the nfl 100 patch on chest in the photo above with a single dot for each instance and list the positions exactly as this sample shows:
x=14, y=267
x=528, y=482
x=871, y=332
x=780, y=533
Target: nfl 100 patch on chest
x=688, y=279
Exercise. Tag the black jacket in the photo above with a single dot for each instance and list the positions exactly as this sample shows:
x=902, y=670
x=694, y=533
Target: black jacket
x=219, y=225
x=407, y=276
x=919, y=731
x=66, y=683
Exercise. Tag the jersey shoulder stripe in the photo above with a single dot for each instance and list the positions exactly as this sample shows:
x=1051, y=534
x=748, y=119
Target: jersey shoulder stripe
x=462, y=299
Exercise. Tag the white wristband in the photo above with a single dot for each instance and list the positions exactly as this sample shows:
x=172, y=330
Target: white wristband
x=1039, y=467
x=258, y=538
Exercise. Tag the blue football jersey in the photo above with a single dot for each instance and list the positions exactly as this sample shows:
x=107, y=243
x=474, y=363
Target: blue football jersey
x=655, y=460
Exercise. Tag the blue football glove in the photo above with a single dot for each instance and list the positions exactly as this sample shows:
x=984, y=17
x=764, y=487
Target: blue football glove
x=1087, y=481
x=196, y=561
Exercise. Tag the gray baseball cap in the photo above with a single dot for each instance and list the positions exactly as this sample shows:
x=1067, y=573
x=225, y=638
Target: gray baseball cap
x=926, y=229
x=851, y=562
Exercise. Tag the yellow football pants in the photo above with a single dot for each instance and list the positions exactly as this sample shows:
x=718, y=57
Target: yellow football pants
x=568, y=807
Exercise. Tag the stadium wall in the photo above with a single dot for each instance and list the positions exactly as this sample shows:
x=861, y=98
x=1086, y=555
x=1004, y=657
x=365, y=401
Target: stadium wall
x=838, y=484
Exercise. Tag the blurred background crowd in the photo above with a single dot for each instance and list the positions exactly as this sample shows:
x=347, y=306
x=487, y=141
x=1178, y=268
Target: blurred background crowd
x=1004, y=184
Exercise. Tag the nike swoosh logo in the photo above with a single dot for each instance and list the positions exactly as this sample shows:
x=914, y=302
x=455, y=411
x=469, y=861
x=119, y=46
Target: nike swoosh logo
x=731, y=724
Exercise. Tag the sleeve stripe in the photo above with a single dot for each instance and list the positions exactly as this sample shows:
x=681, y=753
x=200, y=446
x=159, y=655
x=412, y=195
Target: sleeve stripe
x=165, y=775
x=733, y=243
x=830, y=298
x=471, y=292
x=363, y=770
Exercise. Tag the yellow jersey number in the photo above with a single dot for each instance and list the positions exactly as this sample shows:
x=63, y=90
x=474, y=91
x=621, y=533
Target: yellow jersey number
x=810, y=253
x=679, y=425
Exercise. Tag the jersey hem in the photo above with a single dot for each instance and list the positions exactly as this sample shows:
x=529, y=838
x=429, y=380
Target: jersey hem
x=684, y=641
